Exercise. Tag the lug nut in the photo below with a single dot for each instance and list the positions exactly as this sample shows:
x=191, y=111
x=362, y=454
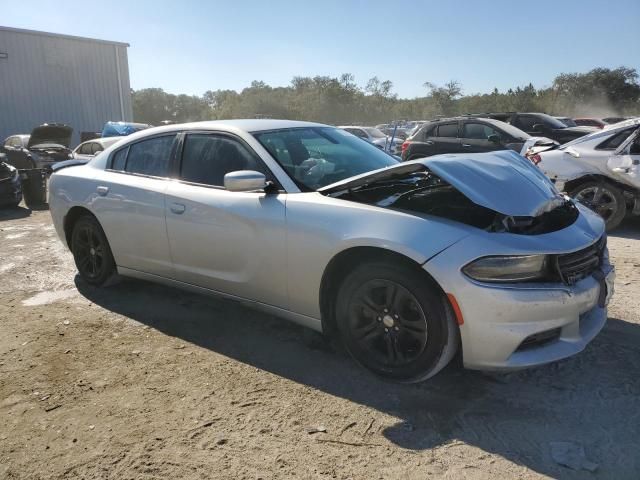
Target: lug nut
x=397, y=328
x=386, y=330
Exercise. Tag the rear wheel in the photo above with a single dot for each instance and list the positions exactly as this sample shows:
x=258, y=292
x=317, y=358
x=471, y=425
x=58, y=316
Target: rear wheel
x=604, y=199
x=395, y=322
x=91, y=251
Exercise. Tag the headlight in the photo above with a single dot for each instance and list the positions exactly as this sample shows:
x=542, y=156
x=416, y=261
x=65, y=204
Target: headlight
x=516, y=268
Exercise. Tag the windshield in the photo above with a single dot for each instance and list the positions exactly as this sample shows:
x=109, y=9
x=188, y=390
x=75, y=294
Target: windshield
x=374, y=132
x=513, y=131
x=318, y=156
x=551, y=121
x=568, y=121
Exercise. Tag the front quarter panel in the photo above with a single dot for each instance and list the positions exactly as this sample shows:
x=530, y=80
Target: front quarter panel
x=320, y=227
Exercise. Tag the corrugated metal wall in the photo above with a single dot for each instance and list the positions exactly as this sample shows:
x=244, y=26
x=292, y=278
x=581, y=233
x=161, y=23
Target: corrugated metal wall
x=49, y=78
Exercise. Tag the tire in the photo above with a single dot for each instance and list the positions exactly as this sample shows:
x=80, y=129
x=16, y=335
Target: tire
x=609, y=202
x=91, y=251
x=410, y=341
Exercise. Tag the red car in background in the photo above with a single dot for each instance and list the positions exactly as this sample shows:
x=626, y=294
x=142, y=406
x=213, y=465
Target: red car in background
x=589, y=122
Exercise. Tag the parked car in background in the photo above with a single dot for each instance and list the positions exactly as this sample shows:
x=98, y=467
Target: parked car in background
x=601, y=170
x=463, y=135
x=376, y=137
x=568, y=121
x=87, y=150
x=405, y=262
x=590, y=122
x=47, y=144
x=122, y=129
x=540, y=124
x=10, y=185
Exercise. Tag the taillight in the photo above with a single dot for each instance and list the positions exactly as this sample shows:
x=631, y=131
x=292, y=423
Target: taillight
x=534, y=157
x=405, y=145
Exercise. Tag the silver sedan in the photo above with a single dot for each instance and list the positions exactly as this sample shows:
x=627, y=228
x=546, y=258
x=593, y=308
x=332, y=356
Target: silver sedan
x=404, y=262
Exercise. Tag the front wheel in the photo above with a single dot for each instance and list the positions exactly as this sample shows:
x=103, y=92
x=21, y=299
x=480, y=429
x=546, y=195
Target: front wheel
x=395, y=322
x=91, y=251
x=604, y=199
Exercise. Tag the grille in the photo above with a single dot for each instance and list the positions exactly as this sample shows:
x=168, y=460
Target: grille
x=573, y=267
x=540, y=339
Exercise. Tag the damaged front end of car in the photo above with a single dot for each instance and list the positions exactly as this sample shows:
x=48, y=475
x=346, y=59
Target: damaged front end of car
x=476, y=192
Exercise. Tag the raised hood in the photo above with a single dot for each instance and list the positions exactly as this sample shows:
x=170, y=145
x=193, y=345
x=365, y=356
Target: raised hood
x=51, y=134
x=501, y=181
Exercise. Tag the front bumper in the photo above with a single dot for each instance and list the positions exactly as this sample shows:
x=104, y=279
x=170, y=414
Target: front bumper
x=10, y=191
x=495, y=330
x=514, y=326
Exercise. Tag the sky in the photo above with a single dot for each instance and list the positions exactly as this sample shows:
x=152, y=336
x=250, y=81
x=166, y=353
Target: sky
x=194, y=46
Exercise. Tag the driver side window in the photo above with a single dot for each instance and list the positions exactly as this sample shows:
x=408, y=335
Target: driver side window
x=206, y=159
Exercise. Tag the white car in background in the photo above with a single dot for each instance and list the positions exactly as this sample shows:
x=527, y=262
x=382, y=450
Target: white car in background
x=89, y=149
x=601, y=170
x=404, y=262
x=377, y=137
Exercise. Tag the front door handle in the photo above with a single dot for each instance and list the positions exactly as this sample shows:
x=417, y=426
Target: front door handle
x=102, y=190
x=428, y=142
x=177, y=208
x=465, y=145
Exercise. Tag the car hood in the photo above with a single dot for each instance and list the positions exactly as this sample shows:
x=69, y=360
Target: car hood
x=579, y=130
x=50, y=134
x=502, y=181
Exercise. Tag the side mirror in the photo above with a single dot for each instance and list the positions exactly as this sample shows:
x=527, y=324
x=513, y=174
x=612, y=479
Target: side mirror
x=493, y=138
x=245, y=181
x=97, y=152
x=538, y=127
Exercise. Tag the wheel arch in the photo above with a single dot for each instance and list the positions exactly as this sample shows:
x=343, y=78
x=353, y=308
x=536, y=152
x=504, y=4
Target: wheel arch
x=595, y=177
x=70, y=220
x=343, y=262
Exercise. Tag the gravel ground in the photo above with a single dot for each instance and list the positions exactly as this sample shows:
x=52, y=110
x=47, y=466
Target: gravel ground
x=140, y=381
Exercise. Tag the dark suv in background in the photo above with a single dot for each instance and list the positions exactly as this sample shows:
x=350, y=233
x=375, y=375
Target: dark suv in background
x=539, y=125
x=462, y=134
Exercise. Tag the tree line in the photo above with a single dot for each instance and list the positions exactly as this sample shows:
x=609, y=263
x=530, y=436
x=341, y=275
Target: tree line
x=340, y=100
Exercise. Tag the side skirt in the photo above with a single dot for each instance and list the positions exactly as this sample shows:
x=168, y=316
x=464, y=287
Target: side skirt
x=304, y=320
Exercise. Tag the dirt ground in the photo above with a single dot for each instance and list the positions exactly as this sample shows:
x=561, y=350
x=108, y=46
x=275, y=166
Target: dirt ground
x=139, y=381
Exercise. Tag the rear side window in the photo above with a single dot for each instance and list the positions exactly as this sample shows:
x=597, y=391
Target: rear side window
x=448, y=130
x=150, y=157
x=615, y=141
x=206, y=159
x=119, y=159
x=477, y=131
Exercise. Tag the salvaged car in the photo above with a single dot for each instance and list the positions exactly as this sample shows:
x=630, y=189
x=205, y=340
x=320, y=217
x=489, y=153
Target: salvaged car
x=85, y=152
x=463, y=135
x=540, y=124
x=10, y=184
x=47, y=144
x=405, y=262
x=601, y=170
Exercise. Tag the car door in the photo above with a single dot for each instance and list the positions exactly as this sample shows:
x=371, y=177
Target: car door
x=625, y=162
x=446, y=139
x=230, y=242
x=475, y=137
x=129, y=202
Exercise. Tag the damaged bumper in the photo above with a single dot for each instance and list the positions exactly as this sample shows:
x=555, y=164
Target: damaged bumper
x=518, y=325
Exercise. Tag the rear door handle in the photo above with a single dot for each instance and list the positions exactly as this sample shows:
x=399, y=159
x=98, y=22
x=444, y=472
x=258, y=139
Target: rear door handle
x=428, y=142
x=465, y=145
x=102, y=190
x=177, y=208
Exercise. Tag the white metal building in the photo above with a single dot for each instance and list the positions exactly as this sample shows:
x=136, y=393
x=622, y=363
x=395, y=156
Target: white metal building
x=47, y=77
